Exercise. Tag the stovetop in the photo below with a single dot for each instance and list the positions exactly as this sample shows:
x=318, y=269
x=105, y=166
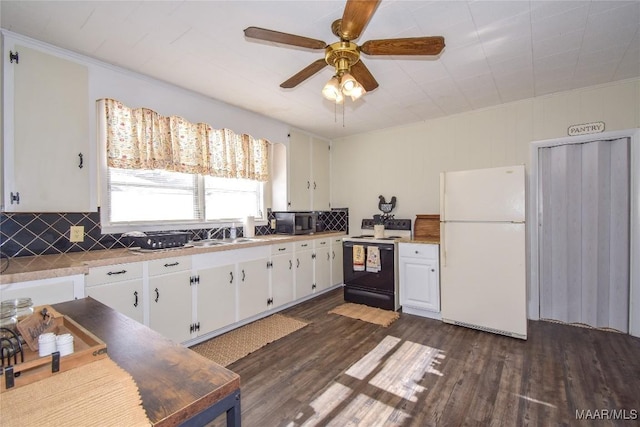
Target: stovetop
x=394, y=230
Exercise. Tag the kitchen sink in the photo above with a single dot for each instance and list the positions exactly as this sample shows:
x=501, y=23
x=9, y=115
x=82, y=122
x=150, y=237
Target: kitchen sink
x=208, y=242
x=240, y=240
x=218, y=242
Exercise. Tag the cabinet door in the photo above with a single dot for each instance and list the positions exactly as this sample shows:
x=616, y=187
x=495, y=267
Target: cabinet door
x=253, y=288
x=304, y=273
x=124, y=297
x=282, y=279
x=300, y=173
x=337, y=276
x=322, y=268
x=170, y=305
x=49, y=132
x=216, y=298
x=419, y=284
x=320, y=174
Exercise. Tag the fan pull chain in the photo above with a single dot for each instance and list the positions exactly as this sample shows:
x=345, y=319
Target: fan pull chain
x=343, y=102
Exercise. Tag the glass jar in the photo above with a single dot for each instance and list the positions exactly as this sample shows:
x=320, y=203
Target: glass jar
x=23, y=307
x=8, y=319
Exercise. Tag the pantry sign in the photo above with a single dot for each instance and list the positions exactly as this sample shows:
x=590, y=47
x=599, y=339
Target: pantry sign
x=586, y=128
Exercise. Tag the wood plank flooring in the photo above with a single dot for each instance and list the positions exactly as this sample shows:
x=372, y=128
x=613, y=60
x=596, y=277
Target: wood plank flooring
x=422, y=372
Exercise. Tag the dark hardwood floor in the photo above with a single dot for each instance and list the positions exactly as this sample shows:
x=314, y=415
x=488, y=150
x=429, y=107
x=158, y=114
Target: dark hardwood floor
x=422, y=372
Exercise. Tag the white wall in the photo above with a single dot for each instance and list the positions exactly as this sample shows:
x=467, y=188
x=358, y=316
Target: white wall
x=406, y=161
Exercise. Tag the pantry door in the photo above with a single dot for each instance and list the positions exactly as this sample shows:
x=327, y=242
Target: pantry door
x=584, y=233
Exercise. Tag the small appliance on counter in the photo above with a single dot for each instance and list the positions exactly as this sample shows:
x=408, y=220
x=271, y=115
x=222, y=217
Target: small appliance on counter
x=157, y=240
x=296, y=222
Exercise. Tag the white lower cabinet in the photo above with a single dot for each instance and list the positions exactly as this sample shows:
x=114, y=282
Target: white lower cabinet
x=170, y=298
x=216, y=300
x=336, y=261
x=420, y=279
x=304, y=284
x=253, y=288
x=187, y=297
x=118, y=286
x=321, y=265
x=281, y=274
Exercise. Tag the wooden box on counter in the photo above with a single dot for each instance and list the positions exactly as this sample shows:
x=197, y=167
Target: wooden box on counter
x=87, y=348
x=427, y=227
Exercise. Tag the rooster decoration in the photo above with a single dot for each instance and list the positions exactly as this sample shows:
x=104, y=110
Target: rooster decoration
x=385, y=207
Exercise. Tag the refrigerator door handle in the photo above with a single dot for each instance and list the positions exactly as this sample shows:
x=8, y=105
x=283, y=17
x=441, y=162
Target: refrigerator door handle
x=443, y=244
x=442, y=195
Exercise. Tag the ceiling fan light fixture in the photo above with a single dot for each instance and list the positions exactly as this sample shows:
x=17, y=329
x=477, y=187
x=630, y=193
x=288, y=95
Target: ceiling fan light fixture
x=348, y=84
x=357, y=92
x=331, y=90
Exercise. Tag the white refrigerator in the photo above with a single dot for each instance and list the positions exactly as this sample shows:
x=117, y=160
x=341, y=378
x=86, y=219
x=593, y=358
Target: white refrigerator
x=482, y=250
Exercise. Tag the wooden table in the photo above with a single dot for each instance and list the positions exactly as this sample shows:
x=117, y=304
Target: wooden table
x=177, y=385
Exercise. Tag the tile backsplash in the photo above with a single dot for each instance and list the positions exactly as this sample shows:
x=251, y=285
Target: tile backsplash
x=25, y=234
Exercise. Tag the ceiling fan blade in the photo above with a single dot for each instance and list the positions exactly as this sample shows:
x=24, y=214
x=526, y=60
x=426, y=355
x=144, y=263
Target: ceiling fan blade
x=409, y=46
x=356, y=16
x=284, y=38
x=361, y=73
x=304, y=74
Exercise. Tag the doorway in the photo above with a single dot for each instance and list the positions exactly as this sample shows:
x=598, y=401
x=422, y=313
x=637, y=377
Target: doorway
x=584, y=213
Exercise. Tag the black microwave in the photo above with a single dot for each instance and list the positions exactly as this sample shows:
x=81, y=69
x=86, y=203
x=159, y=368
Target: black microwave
x=296, y=222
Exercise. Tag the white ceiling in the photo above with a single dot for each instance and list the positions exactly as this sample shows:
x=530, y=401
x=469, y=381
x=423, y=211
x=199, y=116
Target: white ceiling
x=496, y=51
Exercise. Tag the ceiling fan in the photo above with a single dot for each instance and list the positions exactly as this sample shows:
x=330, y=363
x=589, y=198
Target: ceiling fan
x=352, y=77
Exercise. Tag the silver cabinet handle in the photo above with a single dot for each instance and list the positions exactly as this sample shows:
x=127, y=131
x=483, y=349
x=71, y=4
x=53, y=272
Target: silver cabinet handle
x=157, y=294
x=290, y=264
x=135, y=294
x=231, y=274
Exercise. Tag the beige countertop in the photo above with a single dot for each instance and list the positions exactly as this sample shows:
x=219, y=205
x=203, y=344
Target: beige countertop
x=424, y=240
x=22, y=269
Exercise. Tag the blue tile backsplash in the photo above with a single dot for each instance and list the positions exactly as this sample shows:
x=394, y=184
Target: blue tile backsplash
x=25, y=234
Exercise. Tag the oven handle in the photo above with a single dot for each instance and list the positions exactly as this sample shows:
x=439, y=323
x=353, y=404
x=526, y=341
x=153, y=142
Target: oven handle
x=382, y=246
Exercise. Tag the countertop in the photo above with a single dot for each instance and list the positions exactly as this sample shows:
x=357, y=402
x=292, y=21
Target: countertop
x=423, y=240
x=22, y=269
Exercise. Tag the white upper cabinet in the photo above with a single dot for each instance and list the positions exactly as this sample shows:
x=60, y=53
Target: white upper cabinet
x=47, y=161
x=309, y=173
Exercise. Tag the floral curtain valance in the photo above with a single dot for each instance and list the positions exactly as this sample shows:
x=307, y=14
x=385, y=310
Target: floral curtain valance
x=140, y=138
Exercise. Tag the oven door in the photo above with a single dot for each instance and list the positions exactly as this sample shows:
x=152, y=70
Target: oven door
x=383, y=280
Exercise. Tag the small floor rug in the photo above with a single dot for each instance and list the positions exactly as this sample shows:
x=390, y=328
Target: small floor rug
x=368, y=314
x=234, y=345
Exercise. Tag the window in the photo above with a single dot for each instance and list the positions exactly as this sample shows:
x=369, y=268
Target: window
x=231, y=198
x=165, y=173
x=157, y=199
x=144, y=195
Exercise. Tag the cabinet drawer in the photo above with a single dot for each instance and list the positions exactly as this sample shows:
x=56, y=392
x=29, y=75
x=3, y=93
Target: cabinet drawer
x=304, y=245
x=419, y=250
x=321, y=243
x=169, y=265
x=282, y=248
x=113, y=273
